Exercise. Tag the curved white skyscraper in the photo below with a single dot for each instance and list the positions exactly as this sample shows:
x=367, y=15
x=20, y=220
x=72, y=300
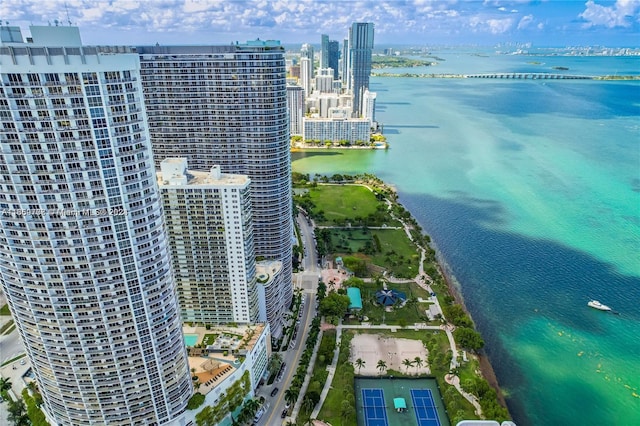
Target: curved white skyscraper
x=84, y=260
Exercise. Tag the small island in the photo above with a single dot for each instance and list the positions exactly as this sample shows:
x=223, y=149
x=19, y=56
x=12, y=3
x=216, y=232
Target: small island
x=379, y=62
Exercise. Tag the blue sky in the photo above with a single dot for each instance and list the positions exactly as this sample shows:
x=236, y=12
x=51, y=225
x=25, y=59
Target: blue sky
x=413, y=22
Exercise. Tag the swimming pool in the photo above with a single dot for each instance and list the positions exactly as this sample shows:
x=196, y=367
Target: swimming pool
x=190, y=339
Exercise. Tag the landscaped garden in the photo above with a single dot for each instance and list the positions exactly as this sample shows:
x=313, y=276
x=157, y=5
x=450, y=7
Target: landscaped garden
x=403, y=313
x=358, y=226
x=209, y=339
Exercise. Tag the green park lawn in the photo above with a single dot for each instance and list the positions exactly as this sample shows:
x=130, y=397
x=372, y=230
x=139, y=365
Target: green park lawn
x=396, y=252
x=343, y=202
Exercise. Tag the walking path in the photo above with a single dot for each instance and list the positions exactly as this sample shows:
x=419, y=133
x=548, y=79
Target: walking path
x=307, y=378
x=332, y=371
x=424, y=281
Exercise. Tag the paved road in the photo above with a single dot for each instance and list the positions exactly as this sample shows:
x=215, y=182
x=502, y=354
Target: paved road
x=307, y=281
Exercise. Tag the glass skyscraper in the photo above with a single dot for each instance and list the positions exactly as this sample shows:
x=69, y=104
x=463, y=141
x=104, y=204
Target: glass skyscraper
x=360, y=52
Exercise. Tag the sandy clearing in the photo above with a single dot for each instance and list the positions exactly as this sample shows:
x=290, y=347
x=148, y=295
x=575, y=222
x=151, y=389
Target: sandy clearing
x=374, y=347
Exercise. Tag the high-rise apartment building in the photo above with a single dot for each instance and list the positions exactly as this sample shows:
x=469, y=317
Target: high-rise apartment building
x=324, y=80
x=306, y=51
x=334, y=58
x=227, y=105
x=345, y=66
x=295, y=102
x=324, y=51
x=84, y=259
x=360, y=52
x=210, y=228
x=306, y=72
x=369, y=105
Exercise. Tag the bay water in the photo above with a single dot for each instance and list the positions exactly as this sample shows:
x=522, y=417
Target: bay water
x=530, y=190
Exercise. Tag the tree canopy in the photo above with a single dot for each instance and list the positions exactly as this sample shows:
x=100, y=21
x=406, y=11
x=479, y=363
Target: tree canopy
x=468, y=338
x=334, y=306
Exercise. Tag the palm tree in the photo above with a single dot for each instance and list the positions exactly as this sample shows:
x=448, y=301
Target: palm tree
x=5, y=384
x=382, y=365
x=252, y=406
x=17, y=413
x=308, y=405
x=407, y=363
x=418, y=361
x=360, y=363
x=291, y=395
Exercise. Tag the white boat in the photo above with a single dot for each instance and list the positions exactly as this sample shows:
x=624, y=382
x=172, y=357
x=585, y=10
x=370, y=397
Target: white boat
x=597, y=305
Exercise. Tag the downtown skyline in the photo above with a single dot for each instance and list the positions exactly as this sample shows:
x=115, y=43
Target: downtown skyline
x=419, y=22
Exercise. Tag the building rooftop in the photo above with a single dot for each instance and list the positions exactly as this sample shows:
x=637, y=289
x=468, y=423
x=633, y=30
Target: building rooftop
x=173, y=171
x=355, y=299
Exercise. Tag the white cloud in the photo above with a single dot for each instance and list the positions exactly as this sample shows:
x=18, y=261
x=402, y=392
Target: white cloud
x=499, y=26
x=525, y=22
x=305, y=20
x=618, y=15
x=494, y=26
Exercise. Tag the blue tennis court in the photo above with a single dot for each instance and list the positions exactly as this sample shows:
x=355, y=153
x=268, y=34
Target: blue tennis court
x=425, y=407
x=375, y=413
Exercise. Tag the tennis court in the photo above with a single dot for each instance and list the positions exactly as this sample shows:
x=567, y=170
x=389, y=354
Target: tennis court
x=376, y=402
x=375, y=413
x=424, y=405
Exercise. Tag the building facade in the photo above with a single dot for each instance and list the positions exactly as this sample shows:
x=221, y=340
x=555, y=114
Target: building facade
x=334, y=58
x=210, y=228
x=360, y=53
x=324, y=81
x=84, y=258
x=338, y=128
x=306, y=76
x=369, y=105
x=227, y=105
x=295, y=102
x=324, y=51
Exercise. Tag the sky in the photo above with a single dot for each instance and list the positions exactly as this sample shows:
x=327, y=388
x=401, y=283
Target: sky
x=397, y=22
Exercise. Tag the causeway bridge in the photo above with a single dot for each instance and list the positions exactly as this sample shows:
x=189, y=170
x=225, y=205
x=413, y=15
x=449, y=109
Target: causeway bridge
x=530, y=76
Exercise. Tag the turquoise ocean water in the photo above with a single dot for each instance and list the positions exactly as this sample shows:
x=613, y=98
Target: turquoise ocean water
x=531, y=192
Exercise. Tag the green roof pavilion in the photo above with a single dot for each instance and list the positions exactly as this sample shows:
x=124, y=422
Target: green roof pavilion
x=355, y=300
x=399, y=404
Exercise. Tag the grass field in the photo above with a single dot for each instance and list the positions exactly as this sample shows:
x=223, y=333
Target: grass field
x=343, y=202
x=4, y=310
x=397, y=253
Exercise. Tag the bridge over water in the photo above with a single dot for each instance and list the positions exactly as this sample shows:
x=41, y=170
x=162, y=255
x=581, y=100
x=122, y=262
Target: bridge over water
x=530, y=76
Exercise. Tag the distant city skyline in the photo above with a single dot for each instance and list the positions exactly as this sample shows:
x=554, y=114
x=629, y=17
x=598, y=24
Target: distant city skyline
x=417, y=22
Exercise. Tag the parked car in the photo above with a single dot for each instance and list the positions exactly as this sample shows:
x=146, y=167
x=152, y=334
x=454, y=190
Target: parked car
x=284, y=414
x=274, y=391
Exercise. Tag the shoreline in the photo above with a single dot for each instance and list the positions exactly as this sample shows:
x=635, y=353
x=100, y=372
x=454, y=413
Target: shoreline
x=485, y=363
